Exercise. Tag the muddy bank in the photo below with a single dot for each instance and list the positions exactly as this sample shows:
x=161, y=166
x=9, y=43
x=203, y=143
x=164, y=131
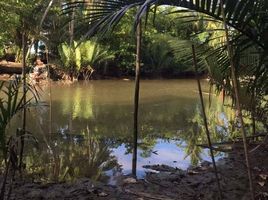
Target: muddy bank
x=170, y=183
x=10, y=67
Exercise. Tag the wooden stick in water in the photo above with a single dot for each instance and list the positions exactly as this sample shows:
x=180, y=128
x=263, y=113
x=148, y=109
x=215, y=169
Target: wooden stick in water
x=136, y=100
x=205, y=123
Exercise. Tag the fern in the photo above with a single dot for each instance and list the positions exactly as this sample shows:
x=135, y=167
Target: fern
x=64, y=52
x=70, y=56
x=92, y=53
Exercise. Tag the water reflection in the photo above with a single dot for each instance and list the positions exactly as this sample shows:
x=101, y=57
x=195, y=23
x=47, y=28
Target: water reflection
x=91, y=130
x=66, y=158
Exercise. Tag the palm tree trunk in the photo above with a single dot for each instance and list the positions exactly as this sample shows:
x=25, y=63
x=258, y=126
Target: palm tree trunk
x=71, y=32
x=237, y=98
x=206, y=123
x=136, y=99
x=45, y=13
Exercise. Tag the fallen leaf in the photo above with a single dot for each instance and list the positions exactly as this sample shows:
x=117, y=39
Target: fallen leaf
x=130, y=180
x=261, y=183
x=263, y=176
x=257, y=169
x=102, y=194
x=192, y=172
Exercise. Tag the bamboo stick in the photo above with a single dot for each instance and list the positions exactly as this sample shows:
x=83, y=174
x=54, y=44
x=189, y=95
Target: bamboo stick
x=136, y=100
x=24, y=96
x=72, y=45
x=237, y=98
x=205, y=123
x=50, y=96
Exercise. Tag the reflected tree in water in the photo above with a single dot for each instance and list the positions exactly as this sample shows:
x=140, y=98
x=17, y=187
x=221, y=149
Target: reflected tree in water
x=69, y=156
x=195, y=134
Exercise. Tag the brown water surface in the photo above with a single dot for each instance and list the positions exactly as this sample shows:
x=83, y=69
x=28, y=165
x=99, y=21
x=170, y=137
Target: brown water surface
x=87, y=131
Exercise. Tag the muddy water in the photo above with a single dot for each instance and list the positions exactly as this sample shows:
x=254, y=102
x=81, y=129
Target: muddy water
x=85, y=129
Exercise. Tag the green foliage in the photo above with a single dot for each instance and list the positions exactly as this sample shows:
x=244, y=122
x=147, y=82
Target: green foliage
x=70, y=56
x=93, y=53
x=18, y=16
x=88, y=54
x=251, y=67
x=123, y=45
x=158, y=54
x=244, y=18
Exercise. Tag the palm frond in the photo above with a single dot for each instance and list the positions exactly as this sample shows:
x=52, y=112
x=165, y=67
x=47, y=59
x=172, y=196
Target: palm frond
x=241, y=14
x=102, y=16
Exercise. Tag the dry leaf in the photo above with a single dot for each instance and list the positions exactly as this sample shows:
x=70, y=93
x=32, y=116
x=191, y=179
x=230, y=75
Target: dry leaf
x=261, y=183
x=102, y=194
x=263, y=176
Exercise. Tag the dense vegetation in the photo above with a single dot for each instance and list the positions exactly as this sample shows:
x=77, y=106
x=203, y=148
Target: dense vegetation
x=113, y=54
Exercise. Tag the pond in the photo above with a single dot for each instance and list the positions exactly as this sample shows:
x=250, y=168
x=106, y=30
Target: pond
x=87, y=130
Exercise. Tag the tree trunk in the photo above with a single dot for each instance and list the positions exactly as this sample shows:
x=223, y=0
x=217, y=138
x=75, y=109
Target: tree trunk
x=71, y=26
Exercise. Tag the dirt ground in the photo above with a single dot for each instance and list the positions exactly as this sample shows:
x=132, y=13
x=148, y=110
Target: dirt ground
x=169, y=184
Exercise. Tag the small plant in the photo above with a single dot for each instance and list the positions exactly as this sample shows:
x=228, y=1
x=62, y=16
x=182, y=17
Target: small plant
x=12, y=101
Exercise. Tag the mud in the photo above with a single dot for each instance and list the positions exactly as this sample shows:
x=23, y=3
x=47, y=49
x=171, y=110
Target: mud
x=168, y=184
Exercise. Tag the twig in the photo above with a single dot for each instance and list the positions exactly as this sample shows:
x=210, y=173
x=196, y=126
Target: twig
x=156, y=183
x=214, y=148
x=147, y=195
x=237, y=140
x=264, y=141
